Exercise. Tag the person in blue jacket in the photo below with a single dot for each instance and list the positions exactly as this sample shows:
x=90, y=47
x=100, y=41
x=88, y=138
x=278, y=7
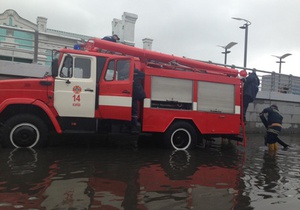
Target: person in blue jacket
x=251, y=83
x=112, y=38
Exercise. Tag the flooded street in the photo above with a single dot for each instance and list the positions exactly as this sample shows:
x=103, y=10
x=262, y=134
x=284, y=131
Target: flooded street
x=83, y=174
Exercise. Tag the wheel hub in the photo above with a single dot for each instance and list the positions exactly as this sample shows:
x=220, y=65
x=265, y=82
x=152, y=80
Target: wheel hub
x=24, y=135
x=181, y=139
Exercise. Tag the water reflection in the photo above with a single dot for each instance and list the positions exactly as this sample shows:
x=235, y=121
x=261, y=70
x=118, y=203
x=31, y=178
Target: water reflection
x=96, y=177
x=26, y=161
x=267, y=179
x=199, y=187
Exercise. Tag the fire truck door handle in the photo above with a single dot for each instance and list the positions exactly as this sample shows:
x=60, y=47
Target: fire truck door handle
x=222, y=116
x=68, y=81
x=89, y=90
x=126, y=91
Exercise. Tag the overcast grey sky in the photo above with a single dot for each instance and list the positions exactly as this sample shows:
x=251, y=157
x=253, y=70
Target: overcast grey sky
x=191, y=28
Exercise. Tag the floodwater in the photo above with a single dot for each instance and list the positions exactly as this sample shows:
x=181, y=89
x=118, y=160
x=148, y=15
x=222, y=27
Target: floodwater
x=83, y=174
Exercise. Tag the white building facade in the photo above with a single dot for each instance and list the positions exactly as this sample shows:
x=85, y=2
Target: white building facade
x=24, y=41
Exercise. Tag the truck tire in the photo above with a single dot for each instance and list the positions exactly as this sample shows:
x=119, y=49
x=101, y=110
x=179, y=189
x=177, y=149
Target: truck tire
x=24, y=131
x=180, y=135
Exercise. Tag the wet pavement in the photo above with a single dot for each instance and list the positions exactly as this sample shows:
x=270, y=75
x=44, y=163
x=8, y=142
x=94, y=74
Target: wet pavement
x=83, y=174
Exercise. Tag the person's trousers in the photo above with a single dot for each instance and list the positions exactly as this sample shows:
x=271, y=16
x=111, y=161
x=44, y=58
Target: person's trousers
x=134, y=112
x=246, y=101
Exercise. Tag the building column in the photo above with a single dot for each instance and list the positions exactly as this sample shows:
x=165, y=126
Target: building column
x=125, y=28
x=41, y=23
x=147, y=43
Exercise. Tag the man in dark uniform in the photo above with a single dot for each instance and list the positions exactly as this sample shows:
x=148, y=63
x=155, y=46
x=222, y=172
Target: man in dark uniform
x=138, y=95
x=112, y=38
x=251, y=83
x=273, y=124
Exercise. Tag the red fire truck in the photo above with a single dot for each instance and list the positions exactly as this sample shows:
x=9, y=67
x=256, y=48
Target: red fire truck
x=186, y=100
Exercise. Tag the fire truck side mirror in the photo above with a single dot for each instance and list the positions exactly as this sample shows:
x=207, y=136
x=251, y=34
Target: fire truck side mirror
x=54, y=67
x=54, y=64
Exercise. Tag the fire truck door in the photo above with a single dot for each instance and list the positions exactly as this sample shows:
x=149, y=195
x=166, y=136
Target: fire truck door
x=115, y=97
x=75, y=87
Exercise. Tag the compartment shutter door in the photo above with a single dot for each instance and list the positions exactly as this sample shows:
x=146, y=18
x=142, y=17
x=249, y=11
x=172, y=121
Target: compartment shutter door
x=215, y=97
x=171, y=89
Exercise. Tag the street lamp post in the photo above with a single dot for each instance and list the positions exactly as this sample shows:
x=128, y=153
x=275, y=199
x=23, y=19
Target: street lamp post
x=228, y=46
x=245, y=26
x=280, y=60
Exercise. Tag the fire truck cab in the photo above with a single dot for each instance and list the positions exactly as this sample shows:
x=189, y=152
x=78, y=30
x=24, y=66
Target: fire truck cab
x=90, y=91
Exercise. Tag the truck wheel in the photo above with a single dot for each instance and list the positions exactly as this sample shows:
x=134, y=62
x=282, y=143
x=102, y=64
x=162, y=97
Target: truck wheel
x=180, y=135
x=24, y=130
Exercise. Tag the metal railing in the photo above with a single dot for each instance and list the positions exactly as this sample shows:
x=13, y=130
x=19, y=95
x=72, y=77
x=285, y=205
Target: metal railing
x=281, y=83
x=272, y=81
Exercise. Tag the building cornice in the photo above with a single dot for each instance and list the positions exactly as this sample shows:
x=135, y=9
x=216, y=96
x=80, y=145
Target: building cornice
x=21, y=22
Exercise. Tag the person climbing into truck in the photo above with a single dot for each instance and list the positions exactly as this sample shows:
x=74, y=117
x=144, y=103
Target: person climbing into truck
x=250, y=89
x=138, y=95
x=273, y=124
x=112, y=38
